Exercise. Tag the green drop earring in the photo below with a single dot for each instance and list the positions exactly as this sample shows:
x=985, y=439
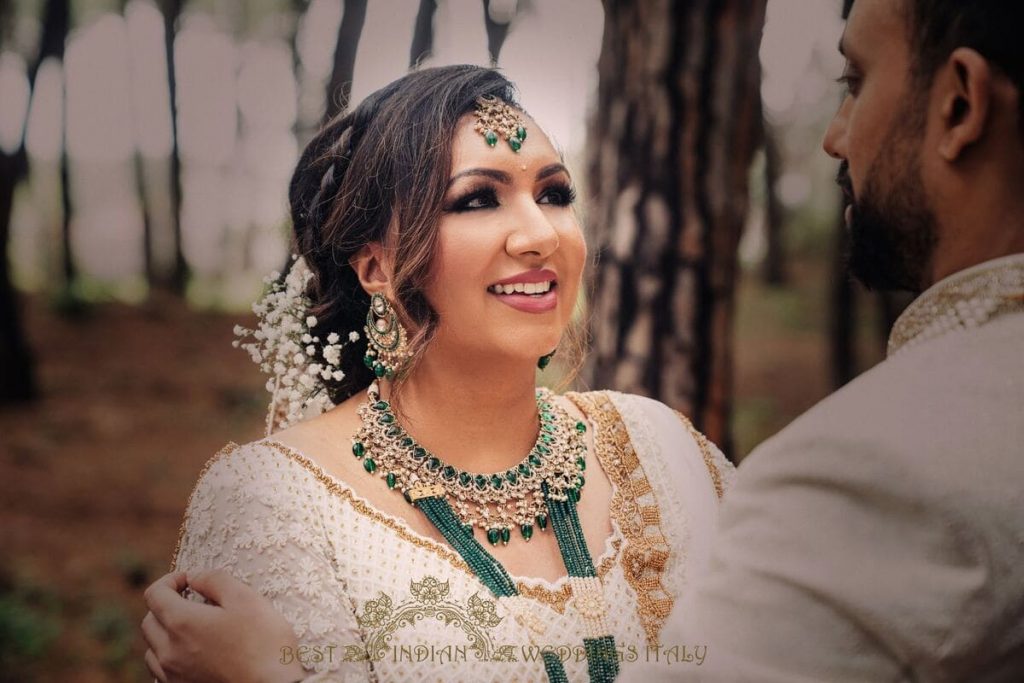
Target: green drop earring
x=544, y=361
x=387, y=343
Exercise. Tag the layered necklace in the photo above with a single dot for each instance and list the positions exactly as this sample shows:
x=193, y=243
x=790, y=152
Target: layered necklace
x=495, y=503
x=541, y=490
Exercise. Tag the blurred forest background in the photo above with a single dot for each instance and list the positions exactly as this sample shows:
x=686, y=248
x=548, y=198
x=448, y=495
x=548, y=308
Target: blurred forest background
x=145, y=148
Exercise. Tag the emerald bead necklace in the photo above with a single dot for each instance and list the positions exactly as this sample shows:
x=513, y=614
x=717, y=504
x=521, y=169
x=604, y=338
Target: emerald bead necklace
x=496, y=503
x=543, y=488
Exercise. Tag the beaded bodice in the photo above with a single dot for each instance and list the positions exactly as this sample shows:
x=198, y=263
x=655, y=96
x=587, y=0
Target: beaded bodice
x=962, y=301
x=374, y=600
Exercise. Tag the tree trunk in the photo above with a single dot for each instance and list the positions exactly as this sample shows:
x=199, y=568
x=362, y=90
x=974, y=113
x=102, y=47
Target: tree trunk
x=423, y=33
x=774, y=270
x=675, y=131
x=843, y=311
x=17, y=375
x=349, y=31
x=177, y=279
x=496, y=33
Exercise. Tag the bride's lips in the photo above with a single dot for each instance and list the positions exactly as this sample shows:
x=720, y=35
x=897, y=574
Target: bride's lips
x=530, y=303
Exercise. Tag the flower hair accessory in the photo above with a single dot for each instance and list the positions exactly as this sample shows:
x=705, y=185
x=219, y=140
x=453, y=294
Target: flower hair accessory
x=285, y=348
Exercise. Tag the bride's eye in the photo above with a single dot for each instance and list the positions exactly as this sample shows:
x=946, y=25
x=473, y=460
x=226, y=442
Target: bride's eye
x=483, y=198
x=558, y=195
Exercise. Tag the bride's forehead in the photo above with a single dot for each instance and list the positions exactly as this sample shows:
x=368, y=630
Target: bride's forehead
x=470, y=149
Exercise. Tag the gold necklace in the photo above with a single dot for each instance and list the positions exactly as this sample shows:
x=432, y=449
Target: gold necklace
x=496, y=502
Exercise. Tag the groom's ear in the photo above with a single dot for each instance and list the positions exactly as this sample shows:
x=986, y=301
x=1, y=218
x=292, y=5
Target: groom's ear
x=372, y=266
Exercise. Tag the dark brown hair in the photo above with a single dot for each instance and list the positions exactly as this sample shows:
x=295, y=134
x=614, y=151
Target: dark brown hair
x=379, y=174
x=937, y=27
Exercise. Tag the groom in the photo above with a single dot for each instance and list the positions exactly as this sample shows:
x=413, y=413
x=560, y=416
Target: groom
x=880, y=537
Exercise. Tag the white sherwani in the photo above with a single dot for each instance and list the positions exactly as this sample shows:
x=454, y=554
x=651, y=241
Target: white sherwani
x=880, y=537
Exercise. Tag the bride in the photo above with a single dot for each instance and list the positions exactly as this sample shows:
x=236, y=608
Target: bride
x=444, y=518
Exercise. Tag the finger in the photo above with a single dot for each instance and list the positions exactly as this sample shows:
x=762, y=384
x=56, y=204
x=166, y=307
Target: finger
x=218, y=586
x=155, y=634
x=153, y=664
x=168, y=606
x=173, y=582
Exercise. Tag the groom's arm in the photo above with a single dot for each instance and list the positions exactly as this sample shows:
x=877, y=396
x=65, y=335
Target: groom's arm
x=833, y=562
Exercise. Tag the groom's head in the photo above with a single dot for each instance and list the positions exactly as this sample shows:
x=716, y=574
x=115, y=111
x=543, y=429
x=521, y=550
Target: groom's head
x=931, y=137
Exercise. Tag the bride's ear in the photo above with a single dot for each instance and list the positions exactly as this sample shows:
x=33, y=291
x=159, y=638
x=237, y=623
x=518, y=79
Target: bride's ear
x=373, y=268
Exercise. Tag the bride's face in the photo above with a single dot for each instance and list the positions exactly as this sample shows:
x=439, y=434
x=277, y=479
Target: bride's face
x=507, y=226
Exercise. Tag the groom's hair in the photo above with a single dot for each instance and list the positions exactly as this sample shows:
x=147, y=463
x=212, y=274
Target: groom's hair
x=991, y=27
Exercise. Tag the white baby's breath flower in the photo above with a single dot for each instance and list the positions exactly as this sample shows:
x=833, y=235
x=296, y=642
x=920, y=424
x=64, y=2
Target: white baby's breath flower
x=353, y=336
x=284, y=347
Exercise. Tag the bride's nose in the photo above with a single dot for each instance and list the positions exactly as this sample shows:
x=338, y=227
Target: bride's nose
x=533, y=233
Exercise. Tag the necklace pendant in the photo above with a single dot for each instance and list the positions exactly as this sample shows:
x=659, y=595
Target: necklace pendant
x=496, y=502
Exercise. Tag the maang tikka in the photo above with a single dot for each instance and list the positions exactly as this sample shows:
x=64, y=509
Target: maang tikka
x=387, y=343
x=496, y=118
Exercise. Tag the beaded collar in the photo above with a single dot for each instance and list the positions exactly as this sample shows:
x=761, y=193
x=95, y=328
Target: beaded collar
x=962, y=301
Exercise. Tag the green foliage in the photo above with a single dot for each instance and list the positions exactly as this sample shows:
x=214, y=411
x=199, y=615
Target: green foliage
x=754, y=419
x=29, y=626
x=110, y=624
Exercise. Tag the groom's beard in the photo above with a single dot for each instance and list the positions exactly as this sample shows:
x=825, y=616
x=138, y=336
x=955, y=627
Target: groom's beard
x=892, y=227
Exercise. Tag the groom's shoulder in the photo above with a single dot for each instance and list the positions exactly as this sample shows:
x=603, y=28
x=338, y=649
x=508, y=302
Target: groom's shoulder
x=945, y=409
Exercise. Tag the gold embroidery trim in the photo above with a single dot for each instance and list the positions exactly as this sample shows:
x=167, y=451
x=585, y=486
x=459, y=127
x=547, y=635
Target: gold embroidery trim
x=705, y=450
x=647, y=550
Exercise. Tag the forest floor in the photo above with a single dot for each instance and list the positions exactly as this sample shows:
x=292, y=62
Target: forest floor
x=134, y=399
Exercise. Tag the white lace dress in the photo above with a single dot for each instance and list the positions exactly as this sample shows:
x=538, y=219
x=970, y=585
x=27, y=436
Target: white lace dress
x=372, y=600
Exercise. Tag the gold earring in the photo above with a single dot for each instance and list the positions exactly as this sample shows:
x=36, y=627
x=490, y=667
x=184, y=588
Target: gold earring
x=387, y=348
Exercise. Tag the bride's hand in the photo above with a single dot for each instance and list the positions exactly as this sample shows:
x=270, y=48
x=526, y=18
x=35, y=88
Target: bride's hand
x=238, y=637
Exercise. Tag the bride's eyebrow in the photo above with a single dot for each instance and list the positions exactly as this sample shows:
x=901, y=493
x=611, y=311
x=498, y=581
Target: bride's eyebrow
x=491, y=173
x=552, y=169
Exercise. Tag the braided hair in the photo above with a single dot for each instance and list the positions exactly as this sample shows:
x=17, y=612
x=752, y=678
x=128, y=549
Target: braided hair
x=379, y=174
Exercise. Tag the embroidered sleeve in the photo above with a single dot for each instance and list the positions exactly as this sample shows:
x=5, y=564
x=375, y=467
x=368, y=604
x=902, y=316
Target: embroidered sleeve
x=256, y=516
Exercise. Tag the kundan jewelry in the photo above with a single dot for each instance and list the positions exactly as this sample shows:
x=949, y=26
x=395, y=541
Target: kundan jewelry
x=495, y=503
x=387, y=348
x=496, y=118
x=550, y=478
